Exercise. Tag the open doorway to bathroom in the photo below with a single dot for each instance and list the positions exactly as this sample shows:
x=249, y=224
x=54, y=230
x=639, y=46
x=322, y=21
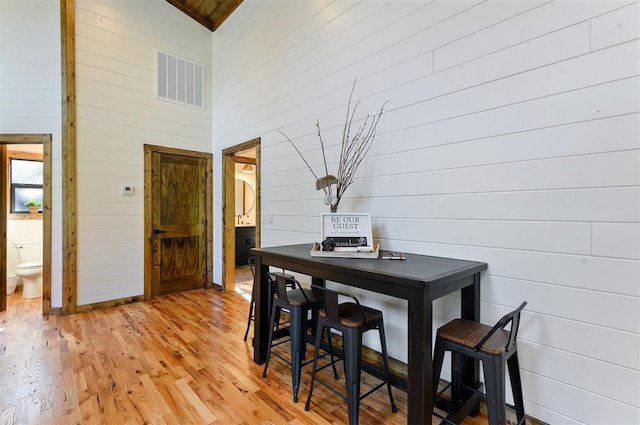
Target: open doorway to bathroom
x=25, y=179
x=241, y=211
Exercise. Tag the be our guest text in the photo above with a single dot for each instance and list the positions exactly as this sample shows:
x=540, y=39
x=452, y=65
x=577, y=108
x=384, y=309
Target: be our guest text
x=345, y=222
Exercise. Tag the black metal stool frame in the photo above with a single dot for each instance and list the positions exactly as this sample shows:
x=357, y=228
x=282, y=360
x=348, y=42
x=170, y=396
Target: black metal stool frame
x=252, y=303
x=298, y=302
x=493, y=361
x=352, y=350
x=271, y=292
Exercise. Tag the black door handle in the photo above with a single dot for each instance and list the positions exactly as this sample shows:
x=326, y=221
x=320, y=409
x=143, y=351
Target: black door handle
x=158, y=231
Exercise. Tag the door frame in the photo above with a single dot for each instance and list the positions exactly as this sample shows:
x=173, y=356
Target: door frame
x=28, y=139
x=228, y=209
x=148, y=219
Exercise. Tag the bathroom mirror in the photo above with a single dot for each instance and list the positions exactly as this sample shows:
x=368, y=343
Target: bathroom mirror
x=245, y=197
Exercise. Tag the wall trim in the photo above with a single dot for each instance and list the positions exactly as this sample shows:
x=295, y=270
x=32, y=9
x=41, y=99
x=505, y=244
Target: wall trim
x=69, y=204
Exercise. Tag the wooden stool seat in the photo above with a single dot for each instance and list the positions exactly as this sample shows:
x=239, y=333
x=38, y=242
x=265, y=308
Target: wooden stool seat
x=470, y=333
x=351, y=314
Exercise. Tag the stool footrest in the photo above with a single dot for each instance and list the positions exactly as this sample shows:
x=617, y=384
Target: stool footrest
x=457, y=416
x=344, y=396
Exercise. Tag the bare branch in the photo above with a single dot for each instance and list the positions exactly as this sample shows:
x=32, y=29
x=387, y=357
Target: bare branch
x=353, y=151
x=324, y=157
x=299, y=153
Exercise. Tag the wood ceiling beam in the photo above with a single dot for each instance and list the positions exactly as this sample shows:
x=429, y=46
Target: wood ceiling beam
x=191, y=13
x=208, y=13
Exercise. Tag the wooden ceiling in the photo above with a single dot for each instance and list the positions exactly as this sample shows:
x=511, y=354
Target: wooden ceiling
x=209, y=13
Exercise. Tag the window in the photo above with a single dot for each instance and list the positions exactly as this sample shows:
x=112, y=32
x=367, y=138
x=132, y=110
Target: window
x=26, y=183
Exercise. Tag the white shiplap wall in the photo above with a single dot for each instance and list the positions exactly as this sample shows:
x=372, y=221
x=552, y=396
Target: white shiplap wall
x=117, y=113
x=30, y=99
x=511, y=137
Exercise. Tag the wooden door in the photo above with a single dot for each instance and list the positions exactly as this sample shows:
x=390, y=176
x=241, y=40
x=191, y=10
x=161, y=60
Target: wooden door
x=178, y=222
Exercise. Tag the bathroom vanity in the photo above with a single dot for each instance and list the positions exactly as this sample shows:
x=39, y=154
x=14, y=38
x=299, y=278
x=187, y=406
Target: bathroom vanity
x=245, y=240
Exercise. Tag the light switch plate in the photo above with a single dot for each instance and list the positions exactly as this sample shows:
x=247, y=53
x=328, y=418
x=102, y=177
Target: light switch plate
x=127, y=189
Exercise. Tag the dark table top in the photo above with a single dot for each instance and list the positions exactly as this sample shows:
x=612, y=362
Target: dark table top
x=415, y=272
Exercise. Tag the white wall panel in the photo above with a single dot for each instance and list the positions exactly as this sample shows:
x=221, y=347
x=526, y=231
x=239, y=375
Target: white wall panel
x=25, y=95
x=591, y=103
x=102, y=208
x=117, y=114
x=552, y=406
x=107, y=153
x=109, y=235
x=571, y=238
x=605, y=204
x=109, y=273
x=569, y=369
x=109, y=222
x=550, y=17
x=615, y=27
x=511, y=136
x=119, y=287
x=589, y=171
x=125, y=118
x=599, y=136
x=30, y=95
x=94, y=251
x=614, y=310
x=619, y=240
x=107, y=261
x=584, y=340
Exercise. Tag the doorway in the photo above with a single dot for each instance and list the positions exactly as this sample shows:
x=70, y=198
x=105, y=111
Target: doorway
x=241, y=208
x=35, y=147
x=178, y=216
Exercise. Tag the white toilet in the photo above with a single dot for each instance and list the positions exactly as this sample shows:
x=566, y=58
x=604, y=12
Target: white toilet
x=30, y=267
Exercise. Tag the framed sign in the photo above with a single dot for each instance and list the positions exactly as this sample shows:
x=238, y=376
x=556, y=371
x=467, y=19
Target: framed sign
x=347, y=230
x=347, y=235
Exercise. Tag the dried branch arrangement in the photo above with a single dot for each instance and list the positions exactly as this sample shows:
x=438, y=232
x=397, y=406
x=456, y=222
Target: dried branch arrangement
x=355, y=147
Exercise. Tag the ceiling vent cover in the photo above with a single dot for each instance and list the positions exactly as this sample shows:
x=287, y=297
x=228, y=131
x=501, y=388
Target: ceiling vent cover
x=179, y=80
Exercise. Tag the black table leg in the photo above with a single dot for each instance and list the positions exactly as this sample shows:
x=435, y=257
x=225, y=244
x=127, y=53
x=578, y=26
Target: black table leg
x=419, y=362
x=470, y=309
x=261, y=328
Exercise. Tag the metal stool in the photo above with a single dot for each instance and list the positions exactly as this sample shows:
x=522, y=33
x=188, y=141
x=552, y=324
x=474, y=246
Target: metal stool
x=252, y=303
x=298, y=302
x=493, y=346
x=352, y=319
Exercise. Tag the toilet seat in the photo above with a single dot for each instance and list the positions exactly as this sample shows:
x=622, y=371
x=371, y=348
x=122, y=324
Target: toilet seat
x=29, y=265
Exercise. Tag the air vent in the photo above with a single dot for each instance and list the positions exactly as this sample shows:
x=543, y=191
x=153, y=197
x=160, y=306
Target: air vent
x=179, y=80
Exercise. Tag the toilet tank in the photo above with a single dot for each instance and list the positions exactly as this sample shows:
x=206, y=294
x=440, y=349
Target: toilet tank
x=29, y=250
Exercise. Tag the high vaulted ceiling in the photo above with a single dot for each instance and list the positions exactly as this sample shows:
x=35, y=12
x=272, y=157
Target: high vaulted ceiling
x=209, y=13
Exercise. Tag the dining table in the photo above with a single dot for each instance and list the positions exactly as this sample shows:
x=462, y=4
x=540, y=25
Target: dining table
x=417, y=279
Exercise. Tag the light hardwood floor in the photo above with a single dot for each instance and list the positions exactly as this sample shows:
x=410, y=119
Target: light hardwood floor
x=178, y=359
